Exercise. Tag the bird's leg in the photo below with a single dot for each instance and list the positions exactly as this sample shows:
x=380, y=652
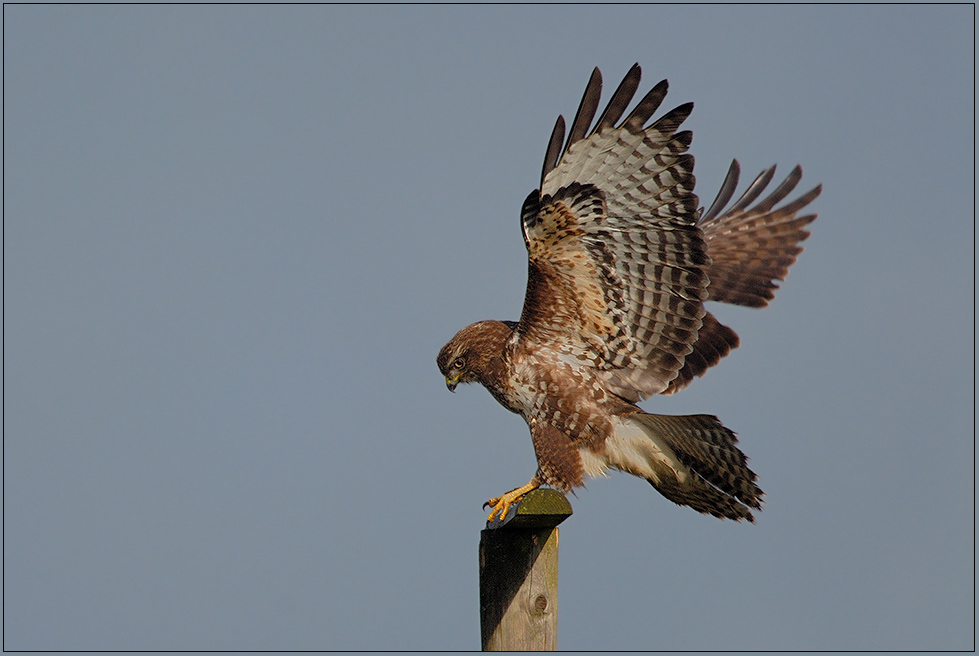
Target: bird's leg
x=501, y=504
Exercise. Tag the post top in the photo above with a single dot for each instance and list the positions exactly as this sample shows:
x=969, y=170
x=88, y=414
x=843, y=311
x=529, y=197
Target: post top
x=540, y=508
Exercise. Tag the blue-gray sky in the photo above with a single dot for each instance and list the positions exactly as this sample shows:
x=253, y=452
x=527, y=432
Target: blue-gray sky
x=236, y=237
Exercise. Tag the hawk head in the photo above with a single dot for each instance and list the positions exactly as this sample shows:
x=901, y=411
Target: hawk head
x=469, y=356
x=453, y=364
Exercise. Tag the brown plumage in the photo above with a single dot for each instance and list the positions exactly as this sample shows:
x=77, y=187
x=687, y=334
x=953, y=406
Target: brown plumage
x=620, y=263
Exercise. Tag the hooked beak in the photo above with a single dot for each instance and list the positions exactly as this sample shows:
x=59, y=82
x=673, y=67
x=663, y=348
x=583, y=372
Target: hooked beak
x=451, y=383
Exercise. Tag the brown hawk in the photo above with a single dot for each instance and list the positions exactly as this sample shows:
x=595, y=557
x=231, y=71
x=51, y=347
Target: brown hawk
x=621, y=262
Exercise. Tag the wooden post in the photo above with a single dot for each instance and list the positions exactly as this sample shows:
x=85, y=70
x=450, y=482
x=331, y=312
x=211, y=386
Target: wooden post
x=518, y=561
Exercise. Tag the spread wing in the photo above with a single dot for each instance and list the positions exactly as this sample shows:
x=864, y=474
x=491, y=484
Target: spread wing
x=617, y=264
x=750, y=248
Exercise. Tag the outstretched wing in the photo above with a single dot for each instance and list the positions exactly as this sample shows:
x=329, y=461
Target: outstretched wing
x=617, y=265
x=750, y=248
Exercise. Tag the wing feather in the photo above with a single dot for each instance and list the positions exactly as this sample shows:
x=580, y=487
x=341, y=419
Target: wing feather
x=620, y=100
x=617, y=266
x=714, y=341
x=751, y=247
x=724, y=194
x=586, y=110
x=554, y=147
x=649, y=104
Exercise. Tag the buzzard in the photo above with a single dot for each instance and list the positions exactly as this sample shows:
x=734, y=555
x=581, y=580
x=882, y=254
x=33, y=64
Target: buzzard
x=621, y=262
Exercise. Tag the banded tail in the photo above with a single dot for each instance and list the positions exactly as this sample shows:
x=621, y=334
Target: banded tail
x=691, y=460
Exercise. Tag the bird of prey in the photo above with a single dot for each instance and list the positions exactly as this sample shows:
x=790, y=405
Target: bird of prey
x=621, y=262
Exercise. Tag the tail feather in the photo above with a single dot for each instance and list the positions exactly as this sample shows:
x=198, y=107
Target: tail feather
x=691, y=460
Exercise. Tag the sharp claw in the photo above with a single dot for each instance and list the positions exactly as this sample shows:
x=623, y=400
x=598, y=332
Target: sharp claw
x=493, y=503
x=500, y=505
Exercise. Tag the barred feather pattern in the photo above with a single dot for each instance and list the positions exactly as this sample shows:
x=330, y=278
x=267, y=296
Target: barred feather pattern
x=620, y=264
x=751, y=247
x=612, y=236
x=754, y=246
x=714, y=341
x=709, y=450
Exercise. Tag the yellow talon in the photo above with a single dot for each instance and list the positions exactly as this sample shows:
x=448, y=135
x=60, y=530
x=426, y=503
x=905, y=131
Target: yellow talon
x=502, y=503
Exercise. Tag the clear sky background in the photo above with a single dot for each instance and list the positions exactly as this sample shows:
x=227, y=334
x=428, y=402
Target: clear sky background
x=235, y=239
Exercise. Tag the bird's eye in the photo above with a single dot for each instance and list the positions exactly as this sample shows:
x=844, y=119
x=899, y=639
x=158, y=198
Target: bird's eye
x=460, y=363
